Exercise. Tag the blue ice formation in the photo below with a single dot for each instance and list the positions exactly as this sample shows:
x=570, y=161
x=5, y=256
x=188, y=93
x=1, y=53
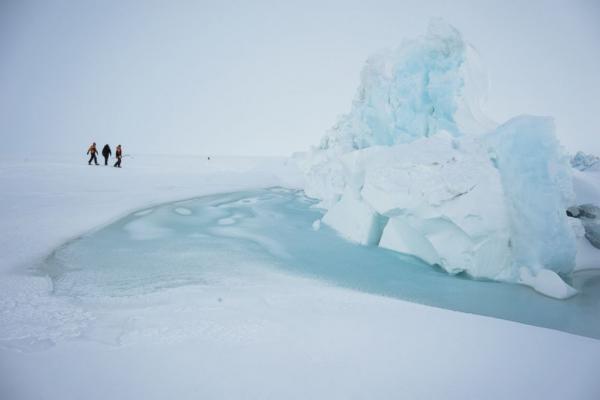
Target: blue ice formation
x=583, y=161
x=416, y=152
x=537, y=189
x=426, y=85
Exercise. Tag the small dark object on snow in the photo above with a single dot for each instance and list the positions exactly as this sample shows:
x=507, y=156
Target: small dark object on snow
x=589, y=215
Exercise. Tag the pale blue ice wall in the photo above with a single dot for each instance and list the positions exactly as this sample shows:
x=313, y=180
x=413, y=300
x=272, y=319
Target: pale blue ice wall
x=410, y=92
x=432, y=83
x=538, y=190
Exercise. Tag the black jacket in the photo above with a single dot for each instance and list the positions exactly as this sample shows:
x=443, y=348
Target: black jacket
x=106, y=151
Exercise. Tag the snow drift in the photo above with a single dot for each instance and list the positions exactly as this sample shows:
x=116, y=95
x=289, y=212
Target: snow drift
x=417, y=168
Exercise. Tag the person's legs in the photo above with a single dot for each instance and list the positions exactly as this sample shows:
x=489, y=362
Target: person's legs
x=95, y=160
x=105, y=160
x=118, y=163
x=90, y=160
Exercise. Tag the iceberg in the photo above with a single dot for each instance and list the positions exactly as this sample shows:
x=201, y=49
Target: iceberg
x=416, y=167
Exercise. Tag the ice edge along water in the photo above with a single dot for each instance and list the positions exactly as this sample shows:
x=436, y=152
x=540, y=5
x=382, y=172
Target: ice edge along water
x=243, y=238
x=416, y=167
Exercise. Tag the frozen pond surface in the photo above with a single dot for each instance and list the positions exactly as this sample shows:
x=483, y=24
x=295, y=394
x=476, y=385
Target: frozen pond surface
x=237, y=236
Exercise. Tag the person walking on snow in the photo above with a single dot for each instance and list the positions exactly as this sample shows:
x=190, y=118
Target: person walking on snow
x=92, y=151
x=106, y=152
x=118, y=155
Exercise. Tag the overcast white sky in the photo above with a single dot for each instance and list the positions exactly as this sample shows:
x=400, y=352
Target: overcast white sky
x=265, y=77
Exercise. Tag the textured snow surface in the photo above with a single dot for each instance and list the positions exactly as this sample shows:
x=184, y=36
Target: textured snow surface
x=406, y=170
x=276, y=335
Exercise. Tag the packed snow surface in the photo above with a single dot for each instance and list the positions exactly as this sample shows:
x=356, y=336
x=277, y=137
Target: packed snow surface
x=415, y=168
x=95, y=321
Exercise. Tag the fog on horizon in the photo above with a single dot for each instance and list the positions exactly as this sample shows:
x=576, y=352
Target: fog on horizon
x=265, y=77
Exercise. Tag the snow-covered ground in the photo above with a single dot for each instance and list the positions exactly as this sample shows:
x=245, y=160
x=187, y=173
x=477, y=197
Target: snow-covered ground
x=281, y=336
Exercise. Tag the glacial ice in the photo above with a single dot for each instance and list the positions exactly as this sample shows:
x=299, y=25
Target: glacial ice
x=426, y=85
x=364, y=226
x=538, y=189
x=547, y=282
x=583, y=161
x=415, y=167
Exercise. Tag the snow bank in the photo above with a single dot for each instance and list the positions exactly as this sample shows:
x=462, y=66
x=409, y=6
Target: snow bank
x=415, y=167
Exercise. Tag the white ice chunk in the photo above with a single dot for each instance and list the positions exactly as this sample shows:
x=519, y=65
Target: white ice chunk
x=450, y=242
x=355, y=220
x=547, y=282
x=400, y=236
x=492, y=258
